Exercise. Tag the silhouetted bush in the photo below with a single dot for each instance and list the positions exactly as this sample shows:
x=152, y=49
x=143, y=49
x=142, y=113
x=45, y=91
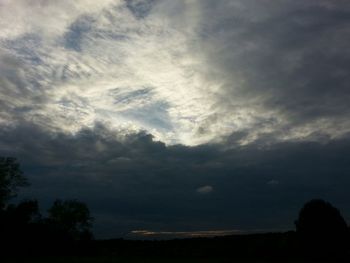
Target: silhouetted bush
x=321, y=229
x=72, y=217
x=11, y=177
x=23, y=230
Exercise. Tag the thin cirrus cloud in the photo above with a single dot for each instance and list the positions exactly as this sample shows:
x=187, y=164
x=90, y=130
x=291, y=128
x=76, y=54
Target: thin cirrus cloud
x=167, y=68
x=97, y=57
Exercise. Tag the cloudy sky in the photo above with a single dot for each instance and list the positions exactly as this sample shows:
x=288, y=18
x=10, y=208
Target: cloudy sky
x=179, y=116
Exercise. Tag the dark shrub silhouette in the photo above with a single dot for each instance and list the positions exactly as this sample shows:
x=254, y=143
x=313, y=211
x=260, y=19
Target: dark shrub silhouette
x=26, y=212
x=17, y=225
x=72, y=217
x=11, y=177
x=321, y=229
x=24, y=231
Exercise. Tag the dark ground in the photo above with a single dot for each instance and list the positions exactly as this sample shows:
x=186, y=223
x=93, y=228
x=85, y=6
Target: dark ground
x=258, y=248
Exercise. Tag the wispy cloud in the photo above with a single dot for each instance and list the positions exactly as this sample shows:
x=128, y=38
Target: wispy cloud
x=205, y=189
x=80, y=62
x=97, y=57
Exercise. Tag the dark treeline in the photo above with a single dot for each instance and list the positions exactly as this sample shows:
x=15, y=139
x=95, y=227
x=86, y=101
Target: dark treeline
x=321, y=235
x=24, y=231
x=65, y=230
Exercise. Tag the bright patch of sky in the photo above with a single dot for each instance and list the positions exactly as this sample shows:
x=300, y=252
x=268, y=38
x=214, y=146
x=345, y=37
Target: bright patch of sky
x=158, y=66
x=97, y=61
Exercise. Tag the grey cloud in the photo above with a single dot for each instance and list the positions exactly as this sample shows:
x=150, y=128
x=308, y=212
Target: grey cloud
x=140, y=8
x=286, y=58
x=19, y=94
x=75, y=34
x=205, y=189
x=277, y=66
x=144, y=184
x=263, y=67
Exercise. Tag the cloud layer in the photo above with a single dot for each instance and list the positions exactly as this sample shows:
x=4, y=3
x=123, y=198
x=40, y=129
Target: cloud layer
x=188, y=72
x=132, y=182
x=178, y=115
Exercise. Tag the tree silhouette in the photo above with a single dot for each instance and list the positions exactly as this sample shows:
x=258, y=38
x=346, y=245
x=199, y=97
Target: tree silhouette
x=26, y=212
x=24, y=231
x=73, y=217
x=11, y=177
x=321, y=228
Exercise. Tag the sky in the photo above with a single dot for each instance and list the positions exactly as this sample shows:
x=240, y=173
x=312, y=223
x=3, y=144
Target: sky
x=186, y=116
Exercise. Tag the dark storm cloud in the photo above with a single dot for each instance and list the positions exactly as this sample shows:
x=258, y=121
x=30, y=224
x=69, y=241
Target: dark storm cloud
x=132, y=182
x=288, y=57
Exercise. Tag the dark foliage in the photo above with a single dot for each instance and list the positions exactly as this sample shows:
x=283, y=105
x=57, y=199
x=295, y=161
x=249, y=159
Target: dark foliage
x=24, y=231
x=321, y=229
x=11, y=177
x=72, y=217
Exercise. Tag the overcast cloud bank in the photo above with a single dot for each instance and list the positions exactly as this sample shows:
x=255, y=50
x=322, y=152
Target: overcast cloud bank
x=178, y=114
